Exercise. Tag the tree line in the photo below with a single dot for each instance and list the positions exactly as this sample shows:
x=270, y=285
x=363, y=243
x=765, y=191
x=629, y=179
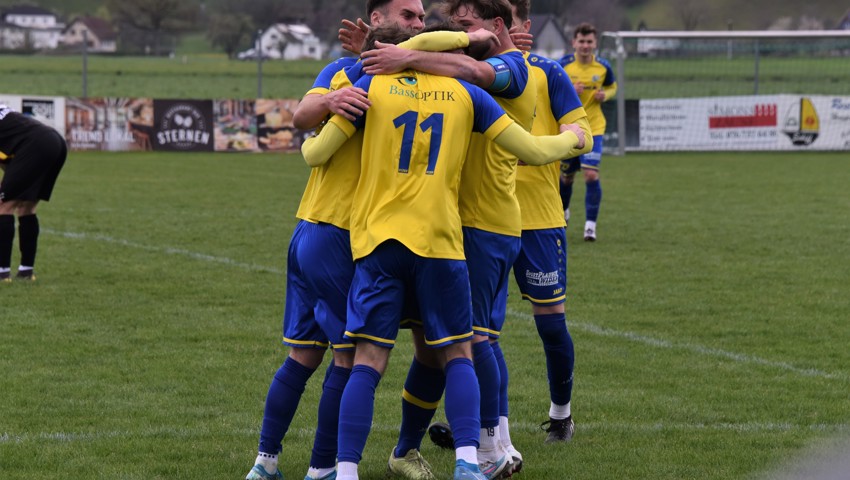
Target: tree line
x=154, y=26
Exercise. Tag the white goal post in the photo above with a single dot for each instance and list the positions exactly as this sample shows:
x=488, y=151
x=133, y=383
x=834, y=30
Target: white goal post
x=729, y=90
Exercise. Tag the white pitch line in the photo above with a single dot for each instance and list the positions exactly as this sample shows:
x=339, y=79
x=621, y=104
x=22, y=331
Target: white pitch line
x=702, y=350
x=526, y=427
x=590, y=328
x=167, y=250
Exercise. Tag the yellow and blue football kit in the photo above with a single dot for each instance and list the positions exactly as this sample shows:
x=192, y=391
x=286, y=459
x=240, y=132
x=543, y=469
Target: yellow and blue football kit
x=487, y=200
x=488, y=204
x=405, y=222
x=318, y=277
x=319, y=267
x=595, y=76
x=417, y=133
x=337, y=179
x=415, y=202
x=557, y=104
x=540, y=269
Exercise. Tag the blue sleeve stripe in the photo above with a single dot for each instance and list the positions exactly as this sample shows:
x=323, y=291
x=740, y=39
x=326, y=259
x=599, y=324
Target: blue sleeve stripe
x=365, y=82
x=503, y=74
x=486, y=110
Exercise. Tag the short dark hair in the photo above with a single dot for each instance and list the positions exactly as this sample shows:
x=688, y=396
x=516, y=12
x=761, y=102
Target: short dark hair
x=392, y=33
x=585, y=29
x=442, y=26
x=486, y=9
x=372, y=5
x=522, y=8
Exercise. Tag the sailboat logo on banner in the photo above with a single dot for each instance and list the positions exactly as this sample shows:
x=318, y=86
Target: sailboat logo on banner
x=802, y=124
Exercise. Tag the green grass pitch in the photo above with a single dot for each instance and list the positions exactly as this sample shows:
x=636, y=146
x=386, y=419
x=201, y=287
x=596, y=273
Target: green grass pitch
x=710, y=323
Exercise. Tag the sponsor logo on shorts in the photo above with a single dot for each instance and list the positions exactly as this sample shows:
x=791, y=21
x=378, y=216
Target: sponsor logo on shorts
x=541, y=279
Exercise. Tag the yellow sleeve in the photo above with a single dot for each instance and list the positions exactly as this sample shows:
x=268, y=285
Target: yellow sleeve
x=536, y=150
x=588, y=137
x=317, y=150
x=610, y=91
x=436, y=41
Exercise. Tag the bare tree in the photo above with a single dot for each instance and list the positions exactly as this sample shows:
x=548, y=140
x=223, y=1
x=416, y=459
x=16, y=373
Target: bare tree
x=157, y=17
x=690, y=12
x=230, y=31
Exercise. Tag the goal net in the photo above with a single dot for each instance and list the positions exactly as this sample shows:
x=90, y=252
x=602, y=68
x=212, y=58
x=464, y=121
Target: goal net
x=713, y=91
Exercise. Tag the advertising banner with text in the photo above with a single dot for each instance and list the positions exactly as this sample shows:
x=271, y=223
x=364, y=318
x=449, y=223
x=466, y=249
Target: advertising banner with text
x=766, y=122
x=109, y=124
x=48, y=110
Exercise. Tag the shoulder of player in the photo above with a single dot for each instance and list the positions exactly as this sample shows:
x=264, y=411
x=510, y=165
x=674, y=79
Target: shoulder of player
x=567, y=59
x=514, y=56
x=340, y=64
x=603, y=61
x=541, y=62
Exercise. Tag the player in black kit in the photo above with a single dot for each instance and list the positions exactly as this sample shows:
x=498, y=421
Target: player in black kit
x=31, y=156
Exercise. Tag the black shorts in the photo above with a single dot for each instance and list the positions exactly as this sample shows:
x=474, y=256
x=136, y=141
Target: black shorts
x=34, y=166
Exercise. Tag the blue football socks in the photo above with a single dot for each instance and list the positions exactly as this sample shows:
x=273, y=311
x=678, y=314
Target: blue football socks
x=503, y=378
x=560, y=355
x=592, y=200
x=487, y=371
x=462, y=403
x=355, y=413
x=325, y=443
x=281, y=402
x=421, y=397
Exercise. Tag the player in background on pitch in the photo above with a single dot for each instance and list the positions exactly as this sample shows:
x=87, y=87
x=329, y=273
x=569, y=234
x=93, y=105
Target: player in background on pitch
x=594, y=82
x=31, y=156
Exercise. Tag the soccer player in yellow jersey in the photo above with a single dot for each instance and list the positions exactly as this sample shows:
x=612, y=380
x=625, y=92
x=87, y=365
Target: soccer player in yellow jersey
x=488, y=205
x=407, y=240
x=320, y=268
x=541, y=268
x=594, y=82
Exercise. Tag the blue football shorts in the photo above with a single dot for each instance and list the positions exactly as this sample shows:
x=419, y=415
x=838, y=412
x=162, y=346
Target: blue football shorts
x=540, y=269
x=591, y=160
x=386, y=279
x=489, y=257
x=318, y=277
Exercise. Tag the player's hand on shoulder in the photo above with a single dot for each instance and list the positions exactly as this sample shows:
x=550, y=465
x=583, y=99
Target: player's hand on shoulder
x=385, y=59
x=483, y=37
x=349, y=102
x=523, y=41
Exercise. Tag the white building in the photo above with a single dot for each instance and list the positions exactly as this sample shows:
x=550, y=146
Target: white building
x=549, y=38
x=29, y=27
x=287, y=42
x=98, y=32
